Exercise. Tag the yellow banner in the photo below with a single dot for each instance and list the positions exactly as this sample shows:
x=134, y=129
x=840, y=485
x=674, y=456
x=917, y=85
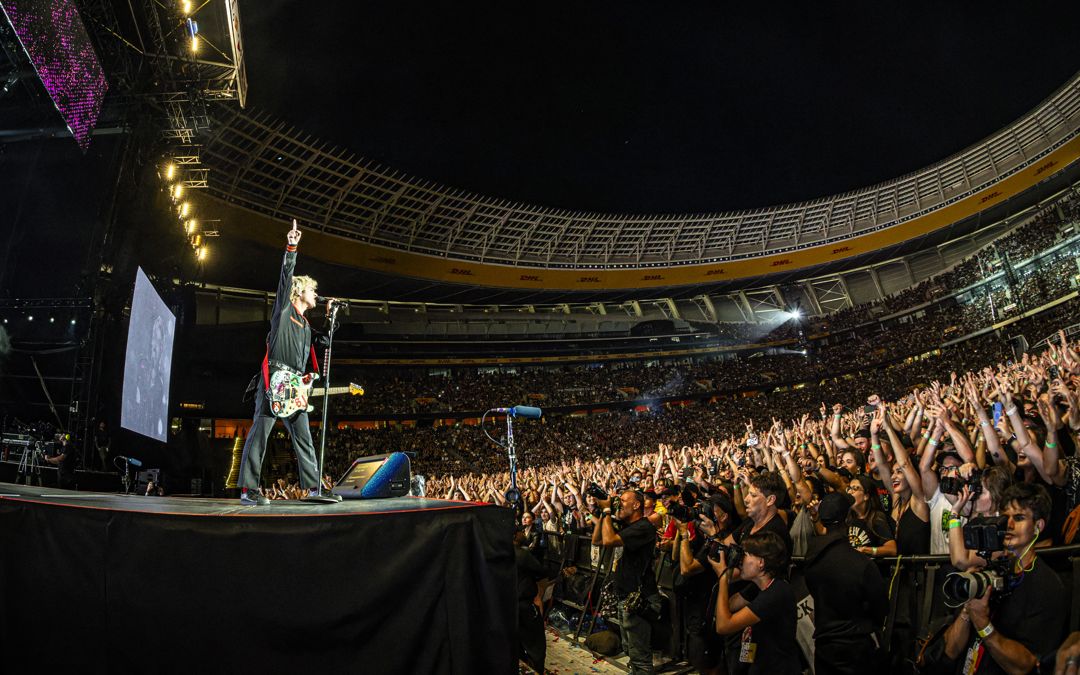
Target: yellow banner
x=346, y=251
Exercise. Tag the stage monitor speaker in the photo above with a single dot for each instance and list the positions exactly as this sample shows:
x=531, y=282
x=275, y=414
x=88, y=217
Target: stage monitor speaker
x=376, y=477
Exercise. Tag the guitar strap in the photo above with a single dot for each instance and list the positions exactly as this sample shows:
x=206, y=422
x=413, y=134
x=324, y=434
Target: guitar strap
x=266, y=366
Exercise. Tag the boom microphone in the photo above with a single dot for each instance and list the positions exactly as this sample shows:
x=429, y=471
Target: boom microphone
x=326, y=301
x=131, y=460
x=522, y=411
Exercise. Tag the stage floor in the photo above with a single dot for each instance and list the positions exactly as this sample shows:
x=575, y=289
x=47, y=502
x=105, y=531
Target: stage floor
x=204, y=506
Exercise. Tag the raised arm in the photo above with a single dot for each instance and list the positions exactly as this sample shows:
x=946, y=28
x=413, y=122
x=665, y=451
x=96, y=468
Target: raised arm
x=834, y=431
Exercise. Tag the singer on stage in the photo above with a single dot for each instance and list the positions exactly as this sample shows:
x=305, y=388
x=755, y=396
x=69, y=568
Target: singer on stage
x=288, y=347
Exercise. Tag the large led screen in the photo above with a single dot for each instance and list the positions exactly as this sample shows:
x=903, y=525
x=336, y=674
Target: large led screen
x=53, y=35
x=148, y=364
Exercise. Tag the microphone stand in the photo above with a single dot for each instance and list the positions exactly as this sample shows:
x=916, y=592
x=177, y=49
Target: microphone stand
x=513, y=495
x=330, y=498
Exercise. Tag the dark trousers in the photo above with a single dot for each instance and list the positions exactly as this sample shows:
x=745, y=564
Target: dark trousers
x=255, y=445
x=846, y=656
x=531, y=636
x=636, y=634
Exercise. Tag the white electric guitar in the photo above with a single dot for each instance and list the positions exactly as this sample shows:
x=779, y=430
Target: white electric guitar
x=289, y=393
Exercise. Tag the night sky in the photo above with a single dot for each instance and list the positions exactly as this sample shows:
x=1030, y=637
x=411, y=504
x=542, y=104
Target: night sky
x=655, y=107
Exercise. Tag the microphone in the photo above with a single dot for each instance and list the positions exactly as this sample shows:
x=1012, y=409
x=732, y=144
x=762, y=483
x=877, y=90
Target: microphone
x=522, y=411
x=131, y=460
x=322, y=300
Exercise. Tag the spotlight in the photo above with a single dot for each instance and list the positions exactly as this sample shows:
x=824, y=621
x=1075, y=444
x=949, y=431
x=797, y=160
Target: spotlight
x=202, y=253
x=191, y=226
x=796, y=314
x=177, y=191
x=73, y=322
x=52, y=319
x=185, y=7
x=184, y=208
x=30, y=317
x=196, y=241
x=194, y=44
x=170, y=171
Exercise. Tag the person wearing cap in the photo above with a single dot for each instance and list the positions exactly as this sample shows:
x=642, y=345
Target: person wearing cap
x=850, y=596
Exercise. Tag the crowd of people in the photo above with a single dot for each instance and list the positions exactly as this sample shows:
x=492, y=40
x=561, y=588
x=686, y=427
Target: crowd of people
x=854, y=340
x=982, y=454
x=458, y=448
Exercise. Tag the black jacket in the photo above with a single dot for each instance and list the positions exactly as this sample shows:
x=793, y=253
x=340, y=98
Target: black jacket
x=850, y=597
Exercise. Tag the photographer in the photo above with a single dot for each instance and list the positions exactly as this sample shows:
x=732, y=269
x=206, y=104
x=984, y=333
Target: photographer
x=850, y=598
x=761, y=511
x=695, y=580
x=1005, y=629
x=633, y=574
x=984, y=499
x=767, y=622
x=62, y=456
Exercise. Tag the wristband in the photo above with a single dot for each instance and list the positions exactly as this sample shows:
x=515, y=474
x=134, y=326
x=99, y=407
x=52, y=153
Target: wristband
x=1010, y=411
x=984, y=423
x=1051, y=445
x=875, y=446
x=986, y=632
x=837, y=416
x=934, y=443
x=926, y=435
x=607, y=511
x=873, y=550
x=291, y=248
x=954, y=523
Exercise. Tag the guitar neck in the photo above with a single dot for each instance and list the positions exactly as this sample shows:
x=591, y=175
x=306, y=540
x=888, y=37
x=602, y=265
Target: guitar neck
x=315, y=393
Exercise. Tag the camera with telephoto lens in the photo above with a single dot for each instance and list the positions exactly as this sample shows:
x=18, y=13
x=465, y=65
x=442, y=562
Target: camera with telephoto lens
x=733, y=552
x=952, y=485
x=689, y=514
x=986, y=534
x=959, y=587
x=596, y=491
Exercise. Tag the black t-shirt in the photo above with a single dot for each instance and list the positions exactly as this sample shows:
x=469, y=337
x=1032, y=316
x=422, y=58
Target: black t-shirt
x=883, y=494
x=773, y=637
x=775, y=524
x=1033, y=614
x=875, y=530
x=634, y=568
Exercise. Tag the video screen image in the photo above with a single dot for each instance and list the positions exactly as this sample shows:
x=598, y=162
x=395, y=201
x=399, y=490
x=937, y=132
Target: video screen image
x=148, y=363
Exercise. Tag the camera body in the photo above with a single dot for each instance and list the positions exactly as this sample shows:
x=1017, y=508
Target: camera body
x=596, y=491
x=952, y=485
x=689, y=514
x=986, y=534
x=733, y=552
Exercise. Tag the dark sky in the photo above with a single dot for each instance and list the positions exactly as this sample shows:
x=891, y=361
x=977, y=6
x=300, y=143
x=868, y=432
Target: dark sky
x=655, y=106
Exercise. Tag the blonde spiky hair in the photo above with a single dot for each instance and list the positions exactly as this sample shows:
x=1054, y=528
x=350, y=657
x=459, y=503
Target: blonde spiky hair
x=299, y=284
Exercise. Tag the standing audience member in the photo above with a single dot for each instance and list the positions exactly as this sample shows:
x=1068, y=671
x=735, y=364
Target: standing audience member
x=850, y=599
x=763, y=614
x=633, y=573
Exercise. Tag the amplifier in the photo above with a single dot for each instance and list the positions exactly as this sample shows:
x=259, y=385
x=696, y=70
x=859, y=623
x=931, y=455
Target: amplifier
x=376, y=477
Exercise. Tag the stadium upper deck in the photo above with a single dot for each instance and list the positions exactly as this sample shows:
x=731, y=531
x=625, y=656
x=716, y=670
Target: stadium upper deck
x=394, y=225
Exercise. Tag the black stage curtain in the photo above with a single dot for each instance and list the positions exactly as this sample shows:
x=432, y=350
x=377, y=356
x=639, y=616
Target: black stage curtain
x=428, y=591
